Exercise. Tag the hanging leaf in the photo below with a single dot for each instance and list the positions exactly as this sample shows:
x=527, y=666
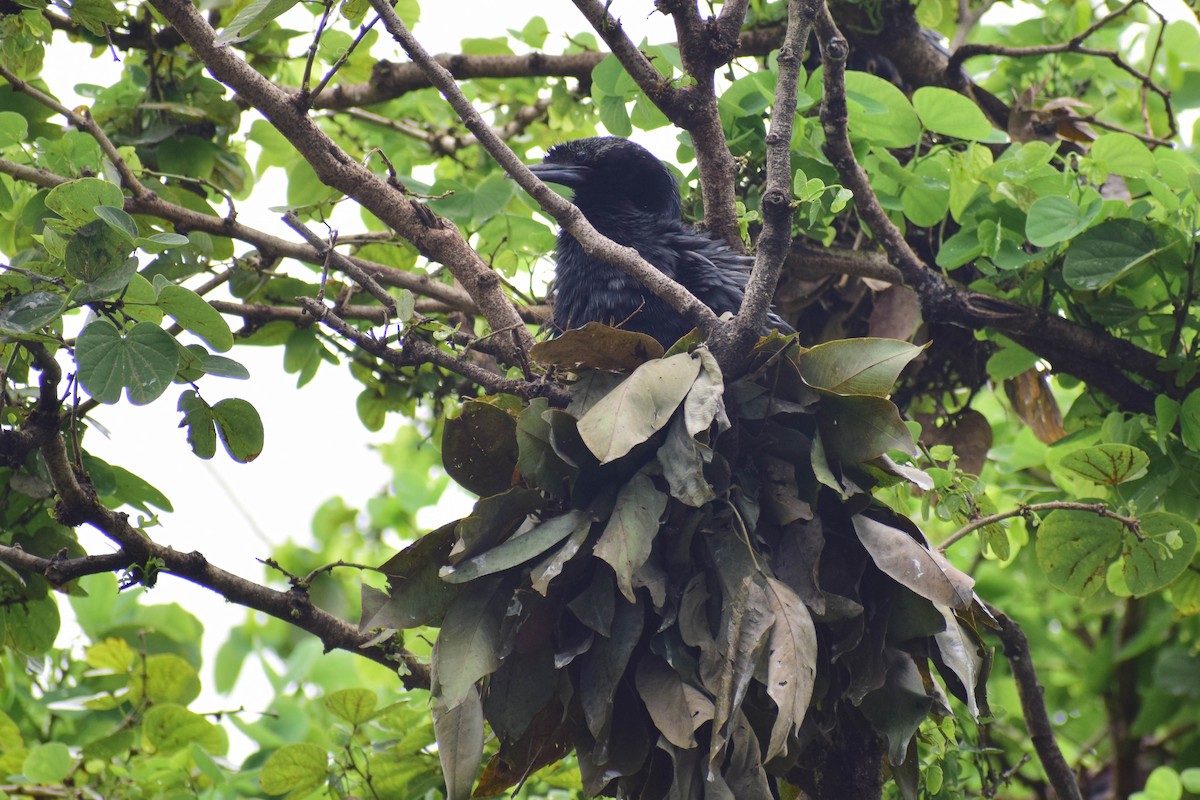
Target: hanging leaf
x=459, y=743
x=914, y=565
x=468, y=644
x=629, y=534
x=417, y=596
x=791, y=663
x=240, y=427
x=143, y=362
x=479, y=448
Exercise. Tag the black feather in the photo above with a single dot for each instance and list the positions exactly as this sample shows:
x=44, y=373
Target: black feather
x=632, y=198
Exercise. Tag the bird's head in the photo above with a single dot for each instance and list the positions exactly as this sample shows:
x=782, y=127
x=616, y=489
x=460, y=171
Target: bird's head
x=611, y=174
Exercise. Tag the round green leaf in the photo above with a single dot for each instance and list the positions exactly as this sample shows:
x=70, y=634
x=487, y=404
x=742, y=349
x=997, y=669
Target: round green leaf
x=47, y=763
x=1164, y=550
x=169, y=728
x=1056, y=219
x=192, y=312
x=1075, y=547
x=295, y=768
x=356, y=706
x=76, y=201
x=13, y=128
x=143, y=362
x=1123, y=154
x=165, y=678
x=1107, y=464
x=240, y=427
x=878, y=111
x=949, y=113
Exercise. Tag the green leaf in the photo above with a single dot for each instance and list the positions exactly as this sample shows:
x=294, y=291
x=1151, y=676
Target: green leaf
x=519, y=548
x=161, y=242
x=460, y=743
x=48, y=763
x=240, y=427
x=29, y=312
x=860, y=427
x=169, y=728
x=951, y=114
x=878, y=111
x=194, y=314
x=118, y=220
x=629, y=535
x=1057, y=218
x=164, y=678
x=640, y=406
x=1161, y=554
x=76, y=201
x=417, y=595
x=1108, y=464
x=295, y=768
x=1101, y=256
x=252, y=19
x=97, y=251
x=109, y=284
x=13, y=128
x=200, y=423
x=468, y=645
x=856, y=366
x=356, y=706
x=1189, y=420
x=1123, y=154
x=1075, y=548
x=143, y=362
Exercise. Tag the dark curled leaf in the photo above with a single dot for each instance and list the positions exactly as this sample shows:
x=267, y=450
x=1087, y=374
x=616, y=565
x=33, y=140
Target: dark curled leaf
x=479, y=448
x=596, y=346
x=604, y=665
x=746, y=626
x=914, y=565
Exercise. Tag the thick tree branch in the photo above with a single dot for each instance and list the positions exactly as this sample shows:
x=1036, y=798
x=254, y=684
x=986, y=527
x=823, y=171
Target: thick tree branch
x=433, y=237
x=1033, y=706
x=78, y=504
x=734, y=340
x=1069, y=347
x=566, y=214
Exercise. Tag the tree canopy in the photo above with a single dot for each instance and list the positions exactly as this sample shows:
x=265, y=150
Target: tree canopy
x=940, y=543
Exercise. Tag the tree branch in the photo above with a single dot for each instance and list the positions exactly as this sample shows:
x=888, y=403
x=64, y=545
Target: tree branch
x=433, y=237
x=78, y=504
x=1023, y=510
x=1033, y=707
x=733, y=342
x=566, y=214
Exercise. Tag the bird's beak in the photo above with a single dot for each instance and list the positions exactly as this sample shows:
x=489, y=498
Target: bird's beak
x=570, y=175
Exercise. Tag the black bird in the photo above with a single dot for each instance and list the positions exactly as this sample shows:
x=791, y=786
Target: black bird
x=632, y=198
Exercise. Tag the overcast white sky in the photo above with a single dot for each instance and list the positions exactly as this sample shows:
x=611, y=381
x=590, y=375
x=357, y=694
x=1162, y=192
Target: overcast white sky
x=315, y=447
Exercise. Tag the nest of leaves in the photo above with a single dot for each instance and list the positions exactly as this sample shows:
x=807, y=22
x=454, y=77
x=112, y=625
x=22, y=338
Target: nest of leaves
x=687, y=582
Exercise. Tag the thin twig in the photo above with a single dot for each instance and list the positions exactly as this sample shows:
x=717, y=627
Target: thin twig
x=1023, y=510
